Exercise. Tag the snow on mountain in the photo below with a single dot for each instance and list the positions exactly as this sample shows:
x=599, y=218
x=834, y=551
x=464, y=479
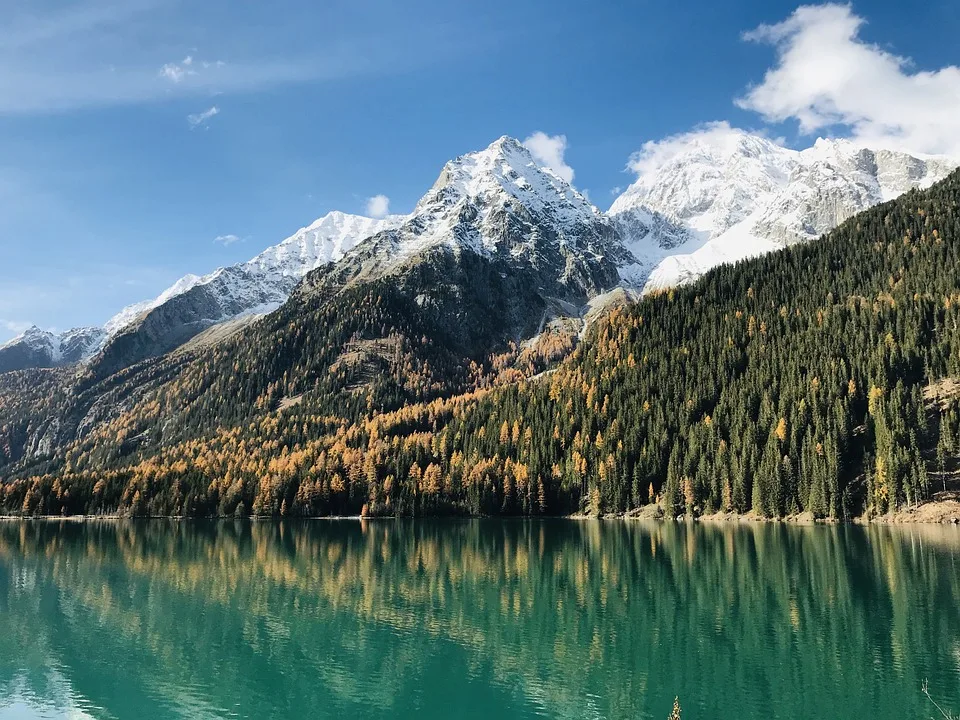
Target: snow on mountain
x=498, y=249
x=42, y=348
x=41, y=341
x=325, y=241
x=264, y=282
x=701, y=199
x=498, y=202
x=712, y=184
x=477, y=195
x=255, y=287
x=722, y=196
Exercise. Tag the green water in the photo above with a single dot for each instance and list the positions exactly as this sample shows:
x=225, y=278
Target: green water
x=476, y=619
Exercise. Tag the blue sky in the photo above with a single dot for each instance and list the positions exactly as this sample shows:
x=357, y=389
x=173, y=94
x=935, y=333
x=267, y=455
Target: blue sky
x=133, y=133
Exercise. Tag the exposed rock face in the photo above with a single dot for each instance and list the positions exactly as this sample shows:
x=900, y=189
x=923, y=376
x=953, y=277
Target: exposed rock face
x=498, y=204
x=497, y=247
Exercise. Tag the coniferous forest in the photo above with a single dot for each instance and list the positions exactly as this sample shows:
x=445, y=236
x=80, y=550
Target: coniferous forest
x=817, y=379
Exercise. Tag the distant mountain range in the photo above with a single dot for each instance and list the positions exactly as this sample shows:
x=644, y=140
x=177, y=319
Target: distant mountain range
x=713, y=201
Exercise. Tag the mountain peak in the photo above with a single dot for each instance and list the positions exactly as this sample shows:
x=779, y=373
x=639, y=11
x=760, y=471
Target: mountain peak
x=709, y=180
x=506, y=143
x=504, y=169
x=724, y=146
x=504, y=154
x=735, y=195
x=35, y=347
x=498, y=202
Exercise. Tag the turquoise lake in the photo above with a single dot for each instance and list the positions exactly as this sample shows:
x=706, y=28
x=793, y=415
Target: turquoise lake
x=476, y=619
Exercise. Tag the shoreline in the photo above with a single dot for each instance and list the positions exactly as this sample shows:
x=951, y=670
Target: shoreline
x=935, y=512
x=945, y=511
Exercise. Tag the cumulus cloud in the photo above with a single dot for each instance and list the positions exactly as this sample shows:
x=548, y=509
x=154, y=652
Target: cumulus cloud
x=548, y=150
x=227, y=240
x=201, y=118
x=378, y=206
x=826, y=75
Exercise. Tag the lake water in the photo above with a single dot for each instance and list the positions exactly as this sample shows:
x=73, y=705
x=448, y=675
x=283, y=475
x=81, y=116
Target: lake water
x=476, y=619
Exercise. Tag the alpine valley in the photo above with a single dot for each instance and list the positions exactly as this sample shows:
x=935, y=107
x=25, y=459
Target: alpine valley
x=748, y=327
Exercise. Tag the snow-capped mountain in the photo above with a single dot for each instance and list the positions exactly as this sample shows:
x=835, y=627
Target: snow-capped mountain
x=716, y=197
x=42, y=348
x=497, y=250
x=195, y=302
x=257, y=286
x=722, y=197
x=498, y=203
x=264, y=282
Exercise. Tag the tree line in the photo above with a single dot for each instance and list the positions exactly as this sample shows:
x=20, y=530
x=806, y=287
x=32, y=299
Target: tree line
x=800, y=381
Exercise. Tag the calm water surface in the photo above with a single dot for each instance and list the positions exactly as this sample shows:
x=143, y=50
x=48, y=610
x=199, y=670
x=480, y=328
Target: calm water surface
x=476, y=619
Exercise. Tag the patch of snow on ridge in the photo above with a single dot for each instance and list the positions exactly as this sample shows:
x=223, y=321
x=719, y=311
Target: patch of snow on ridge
x=261, y=284
x=325, y=241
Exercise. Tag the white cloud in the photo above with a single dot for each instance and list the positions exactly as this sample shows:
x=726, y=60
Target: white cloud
x=616, y=190
x=227, y=240
x=178, y=72
x=173, y=73
x=378, y=206
x=548, y=150
x=201, y=118
x=826, y=76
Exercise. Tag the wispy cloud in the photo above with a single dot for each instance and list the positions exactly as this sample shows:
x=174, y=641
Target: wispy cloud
x=188, y=68
x=56, y=57
x=549, y=151
x=30, y=26
x=378, y=206
x=227, y=240
x=176, y=72
x=199, y=119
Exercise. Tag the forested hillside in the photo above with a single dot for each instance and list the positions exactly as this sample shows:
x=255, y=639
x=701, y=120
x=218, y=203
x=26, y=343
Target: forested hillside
x=793, y=382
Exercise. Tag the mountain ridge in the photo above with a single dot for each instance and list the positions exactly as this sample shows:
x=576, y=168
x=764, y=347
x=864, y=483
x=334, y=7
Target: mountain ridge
x=719, y=198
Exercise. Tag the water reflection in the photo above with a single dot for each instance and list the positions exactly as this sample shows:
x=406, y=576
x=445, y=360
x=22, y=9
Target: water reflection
x=476, y=618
